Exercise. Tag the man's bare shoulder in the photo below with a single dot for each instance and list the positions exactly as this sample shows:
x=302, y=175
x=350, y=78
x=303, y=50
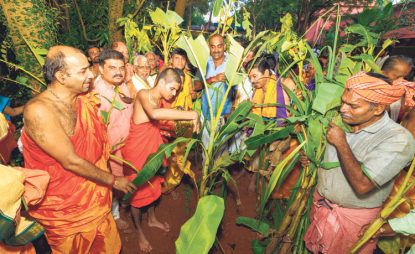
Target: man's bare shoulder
x=39, y=105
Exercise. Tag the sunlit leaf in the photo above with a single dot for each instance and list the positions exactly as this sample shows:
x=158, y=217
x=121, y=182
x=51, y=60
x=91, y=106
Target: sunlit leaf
x=198, y=234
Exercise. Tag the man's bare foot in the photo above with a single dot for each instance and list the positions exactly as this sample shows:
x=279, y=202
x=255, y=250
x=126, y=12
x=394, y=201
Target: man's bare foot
x=121, y=224
x=143, y=243
x=157, y=224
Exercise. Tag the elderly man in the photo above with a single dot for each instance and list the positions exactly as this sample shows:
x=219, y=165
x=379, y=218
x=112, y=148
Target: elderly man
x=111, y=87
x=152, y=61
x=122, y=48
x=351, y=195
x=65, y=137
x=141, y=73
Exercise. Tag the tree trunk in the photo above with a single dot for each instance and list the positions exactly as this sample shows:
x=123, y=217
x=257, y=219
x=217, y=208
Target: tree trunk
x=190, y=14
x=28, y=20
x=115, y=11
x=180, y=7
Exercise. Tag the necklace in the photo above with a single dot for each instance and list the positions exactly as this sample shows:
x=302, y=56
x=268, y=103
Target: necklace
x=68, y=120
x=151, y=100
x=59, y=99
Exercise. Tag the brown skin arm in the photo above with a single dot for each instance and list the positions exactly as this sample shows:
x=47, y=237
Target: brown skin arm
x=218, y=78
x=13, y=111
x=42, y=125
x=409, y=121
x=351, y=168
x=156, y=113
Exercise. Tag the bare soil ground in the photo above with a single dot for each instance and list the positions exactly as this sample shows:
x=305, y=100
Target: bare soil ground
x=232, y=238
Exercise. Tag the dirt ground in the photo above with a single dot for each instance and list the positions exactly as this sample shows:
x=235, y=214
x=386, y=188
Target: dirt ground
x=232, y=238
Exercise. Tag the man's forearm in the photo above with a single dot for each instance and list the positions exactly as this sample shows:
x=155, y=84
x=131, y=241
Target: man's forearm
x=352, y=170
x=89, y=171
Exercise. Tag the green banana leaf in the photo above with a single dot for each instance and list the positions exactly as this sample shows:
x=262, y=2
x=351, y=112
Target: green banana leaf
x=154, y=162
x=167, y=19
x=217, y=7
x=233, y=62
x=257, y=141
x=276, y=175
x=197, y=51
x=328, y=96
x=254, y=224
x=258, y=247
x=232, y=123
x=198, y=234
x=259, y=128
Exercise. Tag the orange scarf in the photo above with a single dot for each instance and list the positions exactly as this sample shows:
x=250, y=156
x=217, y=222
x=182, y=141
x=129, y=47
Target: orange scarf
x=378, y=91
x=269, y=97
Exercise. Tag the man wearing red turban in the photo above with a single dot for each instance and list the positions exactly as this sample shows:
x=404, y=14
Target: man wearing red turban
x=351, y=195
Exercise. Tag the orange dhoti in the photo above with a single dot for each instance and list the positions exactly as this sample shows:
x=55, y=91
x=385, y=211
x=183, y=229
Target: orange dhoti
x=143, y=140
x=75, y=211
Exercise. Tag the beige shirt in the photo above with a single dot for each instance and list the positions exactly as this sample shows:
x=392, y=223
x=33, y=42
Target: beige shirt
x=384, y=148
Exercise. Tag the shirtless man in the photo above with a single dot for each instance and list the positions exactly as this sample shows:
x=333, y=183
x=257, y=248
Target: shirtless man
x=145, y=138
x=93, y=57
x=57, y=138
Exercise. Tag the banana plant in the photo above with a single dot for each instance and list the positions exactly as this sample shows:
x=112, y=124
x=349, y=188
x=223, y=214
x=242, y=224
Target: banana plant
x=311, y=113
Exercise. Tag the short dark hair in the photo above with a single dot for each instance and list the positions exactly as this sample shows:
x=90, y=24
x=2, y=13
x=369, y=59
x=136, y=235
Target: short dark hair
x=180, y=52
x=391, y=61
x=109, y=54
x=170, y=75
x=380, y=76
x=262, y=64
x=52, y=65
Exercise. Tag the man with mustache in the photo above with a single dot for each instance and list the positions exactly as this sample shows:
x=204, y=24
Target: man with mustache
x=64, y=136
x=122, y=48
x=215, y=76
x=350, y=195
x=112, y=89
x=152, y=61
x=93, y=57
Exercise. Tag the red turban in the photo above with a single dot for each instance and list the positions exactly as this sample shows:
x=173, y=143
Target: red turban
x=378, y=91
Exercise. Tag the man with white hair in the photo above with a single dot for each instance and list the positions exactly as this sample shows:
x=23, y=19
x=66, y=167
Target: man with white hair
x=152, y=61
x=141, y=72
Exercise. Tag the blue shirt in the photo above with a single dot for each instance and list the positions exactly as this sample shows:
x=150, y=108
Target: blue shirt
x=4, y=101
x=216, y=90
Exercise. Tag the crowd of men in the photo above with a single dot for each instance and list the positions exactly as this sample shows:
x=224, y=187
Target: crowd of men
x=99, y=111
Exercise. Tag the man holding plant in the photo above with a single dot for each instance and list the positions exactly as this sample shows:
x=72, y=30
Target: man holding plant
x=145, y=138
x=112, y=90
x=64, y=136
x=350, y=195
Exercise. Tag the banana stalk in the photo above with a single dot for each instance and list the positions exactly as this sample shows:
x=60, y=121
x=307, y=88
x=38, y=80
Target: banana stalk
x=387, y=210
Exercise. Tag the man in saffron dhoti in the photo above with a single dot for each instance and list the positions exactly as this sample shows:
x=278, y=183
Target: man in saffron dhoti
x=65, y=136
x=145, y=138
x=350, y=196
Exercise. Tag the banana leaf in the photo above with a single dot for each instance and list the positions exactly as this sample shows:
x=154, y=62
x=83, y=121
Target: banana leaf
x=328, y=96
x=276, y=175
x=258, y=247
x=259, y=128
x=233, y=62
x=217, y=7
x=197, y=51
x=154, y=162
x=254, y=224
x=167, y=19
x=198, y=234
x=232, y=123
x=257, y=141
